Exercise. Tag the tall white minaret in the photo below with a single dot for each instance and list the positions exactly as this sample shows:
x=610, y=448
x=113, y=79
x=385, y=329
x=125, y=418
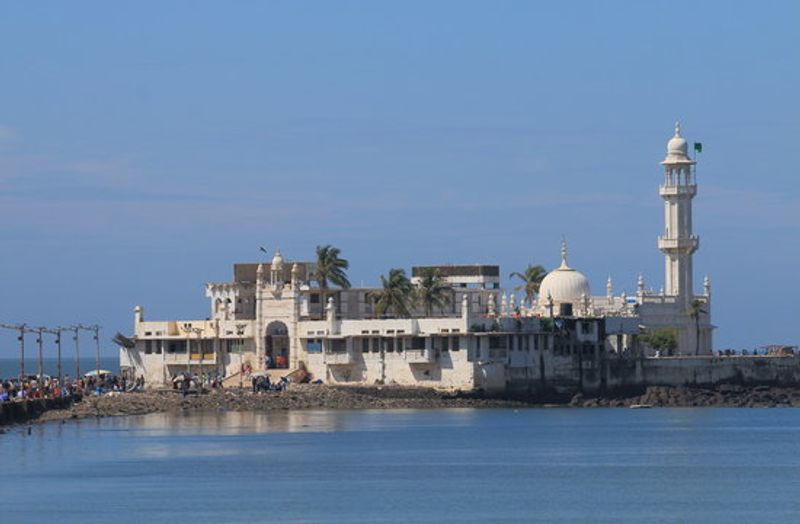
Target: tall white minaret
x=678, y=243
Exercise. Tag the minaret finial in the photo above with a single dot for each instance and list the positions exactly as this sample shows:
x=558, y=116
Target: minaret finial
x=677, y=128
x=563, y=251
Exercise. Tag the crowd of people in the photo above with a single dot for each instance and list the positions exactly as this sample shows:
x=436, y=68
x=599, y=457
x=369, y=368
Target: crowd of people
x=33, y=386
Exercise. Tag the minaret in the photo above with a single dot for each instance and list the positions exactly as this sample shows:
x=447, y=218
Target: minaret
x=677, y=243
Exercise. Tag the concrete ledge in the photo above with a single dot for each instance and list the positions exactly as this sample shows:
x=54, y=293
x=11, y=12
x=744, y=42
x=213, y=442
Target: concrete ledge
x=21, y=411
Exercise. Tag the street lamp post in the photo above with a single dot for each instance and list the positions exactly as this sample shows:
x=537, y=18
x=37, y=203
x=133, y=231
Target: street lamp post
x=96, y=330
x=21, y=338
x=39, y=362
x=57, y=333
x=187, y=330
x=240, y=333
x=75, y=337
x=199, y=331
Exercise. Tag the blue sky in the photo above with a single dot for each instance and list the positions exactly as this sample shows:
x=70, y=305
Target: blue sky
x=146, y=146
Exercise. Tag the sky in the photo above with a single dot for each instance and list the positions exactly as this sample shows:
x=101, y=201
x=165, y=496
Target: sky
x=145, y=147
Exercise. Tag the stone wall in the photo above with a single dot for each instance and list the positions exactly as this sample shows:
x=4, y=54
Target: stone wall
x=604, y=372
x=21, y=411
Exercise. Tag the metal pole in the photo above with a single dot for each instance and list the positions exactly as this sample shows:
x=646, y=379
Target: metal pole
x=96, y=330
x=240, y=347
x=21, y=353
x=77, y=353
x=40, y=366
x=188, y=330
x=201, y=355
x=58, y=362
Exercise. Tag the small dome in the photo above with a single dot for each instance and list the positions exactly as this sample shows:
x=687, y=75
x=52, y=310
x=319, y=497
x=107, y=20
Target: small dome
x=564, y=284
x=277, y=260
x=677, y=148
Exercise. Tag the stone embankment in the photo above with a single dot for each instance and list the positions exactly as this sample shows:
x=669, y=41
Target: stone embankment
x=729, y=396
x=298, y=396
x=17, y=412
x=303, y=396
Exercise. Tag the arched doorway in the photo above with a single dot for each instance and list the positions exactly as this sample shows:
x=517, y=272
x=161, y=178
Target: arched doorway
x=277, y=346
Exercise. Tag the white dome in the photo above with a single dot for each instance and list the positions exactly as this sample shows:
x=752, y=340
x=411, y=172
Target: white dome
x=277, y=260
x=564, y=284
x=677, y=148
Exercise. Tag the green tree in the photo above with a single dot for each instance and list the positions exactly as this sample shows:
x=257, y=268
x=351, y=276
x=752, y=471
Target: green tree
x=662, y=340
x=330, y=270
x=531, y=280
x=395, y=295
x=695, y=311
x=432, y=290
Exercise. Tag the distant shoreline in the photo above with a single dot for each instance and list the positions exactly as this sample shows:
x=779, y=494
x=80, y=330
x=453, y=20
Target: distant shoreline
x=306, y=397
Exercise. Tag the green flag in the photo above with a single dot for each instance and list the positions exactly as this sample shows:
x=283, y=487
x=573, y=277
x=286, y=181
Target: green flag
x=698, y=147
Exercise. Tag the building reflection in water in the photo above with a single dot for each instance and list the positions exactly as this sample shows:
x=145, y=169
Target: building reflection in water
x=237, y=422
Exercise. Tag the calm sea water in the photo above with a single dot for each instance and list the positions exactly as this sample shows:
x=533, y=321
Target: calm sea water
x=9, y=367
x=534, y=465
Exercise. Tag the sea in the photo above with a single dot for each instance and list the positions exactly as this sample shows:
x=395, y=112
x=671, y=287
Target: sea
x=402, y=466
x=9, y=367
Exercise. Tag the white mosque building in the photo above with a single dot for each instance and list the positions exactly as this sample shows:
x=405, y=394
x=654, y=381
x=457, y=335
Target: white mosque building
x=274, y=318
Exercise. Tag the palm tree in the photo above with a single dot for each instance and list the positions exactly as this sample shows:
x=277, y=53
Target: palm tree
x=330, y=268
x=396, y=294
x=531, y=280
x=432, y=290
x=695, y=310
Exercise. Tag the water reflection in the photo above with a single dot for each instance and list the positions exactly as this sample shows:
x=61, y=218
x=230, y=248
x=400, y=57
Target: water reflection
x=234, y=423
x=248, y=422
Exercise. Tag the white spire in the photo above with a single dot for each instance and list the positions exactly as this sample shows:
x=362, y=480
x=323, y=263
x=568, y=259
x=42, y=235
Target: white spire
x=564, y=252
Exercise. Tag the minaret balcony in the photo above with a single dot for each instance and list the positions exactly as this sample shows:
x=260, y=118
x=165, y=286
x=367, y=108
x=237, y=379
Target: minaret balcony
x=681, y=245
x=678, y=190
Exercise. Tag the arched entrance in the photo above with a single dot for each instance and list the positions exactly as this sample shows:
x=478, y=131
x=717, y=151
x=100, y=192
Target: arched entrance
x=277, y=354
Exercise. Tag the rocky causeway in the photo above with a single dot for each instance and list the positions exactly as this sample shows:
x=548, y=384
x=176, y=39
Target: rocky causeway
x=304, y=396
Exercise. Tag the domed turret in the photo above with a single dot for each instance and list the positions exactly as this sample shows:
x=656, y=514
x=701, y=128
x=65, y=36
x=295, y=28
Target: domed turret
x=277, y=261
x=564, y=284
x=677, y=149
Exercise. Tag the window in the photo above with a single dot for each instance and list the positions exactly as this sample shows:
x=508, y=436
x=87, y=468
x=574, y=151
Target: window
x=417, y=343
x=389, y=344
x=454, y=344
x=338, y=345
x=445, y=343
x=314, y=346
x=176, y=346
x=365, y=345
x=498, y=342
x=376, y=345
x=235, y=345
x=148, y=347
x=313, y=298
x=586, y=328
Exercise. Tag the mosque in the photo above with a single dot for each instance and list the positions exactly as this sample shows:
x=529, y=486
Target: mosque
x=274, y=318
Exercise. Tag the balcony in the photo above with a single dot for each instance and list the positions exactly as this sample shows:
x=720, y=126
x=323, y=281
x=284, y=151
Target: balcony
x=194, y=359
x=420, y=356
x=684, y=245
x=338, y=358
x=678, y=190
